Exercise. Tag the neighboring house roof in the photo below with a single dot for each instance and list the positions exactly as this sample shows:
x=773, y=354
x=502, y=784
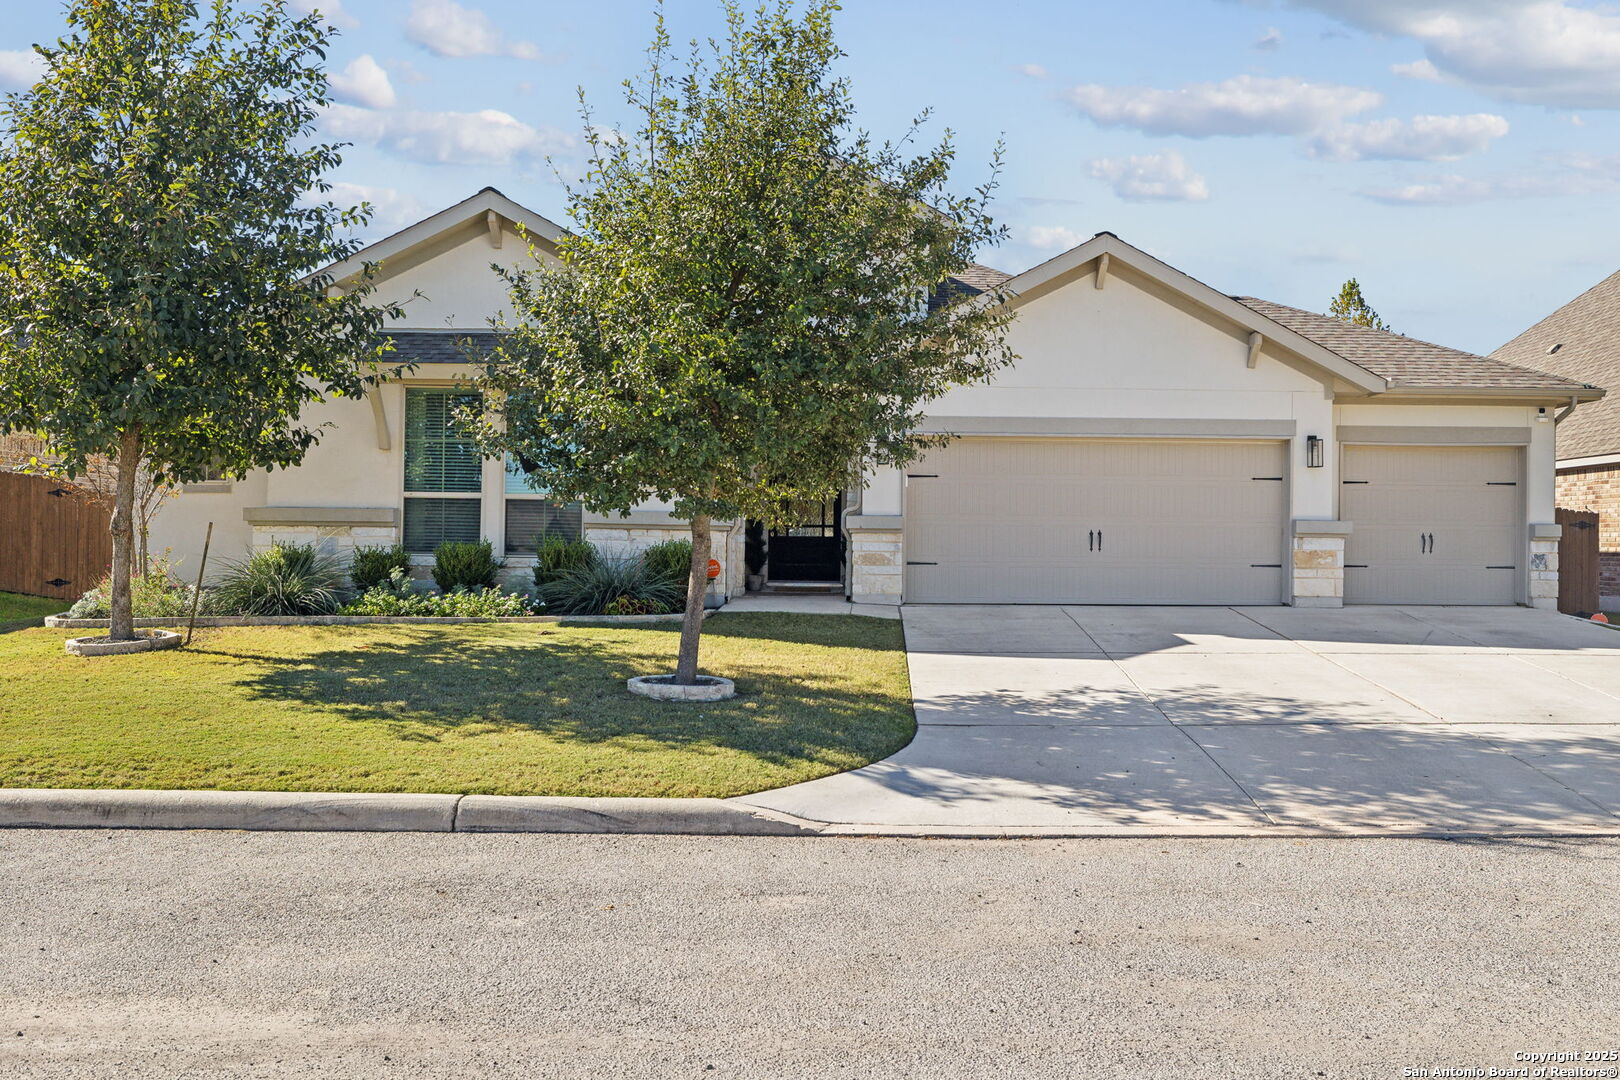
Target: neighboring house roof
x=976, y=280
x=1587, y=333
x=1406, y=362
x=439, y=346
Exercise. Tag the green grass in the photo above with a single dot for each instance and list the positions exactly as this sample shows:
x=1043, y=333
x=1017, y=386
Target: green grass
x=18, y=611
x=517, y=709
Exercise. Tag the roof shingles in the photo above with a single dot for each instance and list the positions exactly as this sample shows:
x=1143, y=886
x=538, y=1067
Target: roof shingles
x=1587, y=333
x=1408, y=363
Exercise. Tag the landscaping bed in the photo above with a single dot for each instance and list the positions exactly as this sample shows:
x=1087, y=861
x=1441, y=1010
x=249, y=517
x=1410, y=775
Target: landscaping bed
x=472, y=708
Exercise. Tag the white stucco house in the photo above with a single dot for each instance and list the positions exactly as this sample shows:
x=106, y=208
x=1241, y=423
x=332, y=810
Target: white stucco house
x=1157, y=442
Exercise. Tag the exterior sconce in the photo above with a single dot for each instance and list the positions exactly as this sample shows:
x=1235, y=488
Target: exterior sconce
x=1313, y=451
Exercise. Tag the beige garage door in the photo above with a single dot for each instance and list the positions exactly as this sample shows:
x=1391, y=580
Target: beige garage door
x=1095, y=521
x=1432, y=524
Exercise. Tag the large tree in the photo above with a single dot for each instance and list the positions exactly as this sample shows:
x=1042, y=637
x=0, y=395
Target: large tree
x=746, y=312
x=156, y=227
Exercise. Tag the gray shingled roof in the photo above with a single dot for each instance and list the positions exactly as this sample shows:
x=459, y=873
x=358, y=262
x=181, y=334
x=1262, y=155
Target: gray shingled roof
x=439, y=346
x=1407, y=362
x=1587, y=331
x=974, y=280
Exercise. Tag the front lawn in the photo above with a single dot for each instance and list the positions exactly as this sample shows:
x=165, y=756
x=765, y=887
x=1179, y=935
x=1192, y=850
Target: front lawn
x=517, y=709
x=17, y=610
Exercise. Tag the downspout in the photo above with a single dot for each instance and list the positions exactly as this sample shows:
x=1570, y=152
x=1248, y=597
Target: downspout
x=1561, y=414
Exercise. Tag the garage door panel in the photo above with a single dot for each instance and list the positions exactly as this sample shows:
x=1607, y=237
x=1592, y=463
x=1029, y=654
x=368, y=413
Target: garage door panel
x=1096, y=521
x=1432, y=525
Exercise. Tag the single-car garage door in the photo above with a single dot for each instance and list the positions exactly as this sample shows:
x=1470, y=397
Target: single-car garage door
x=1431, y=524
x=1096, y=521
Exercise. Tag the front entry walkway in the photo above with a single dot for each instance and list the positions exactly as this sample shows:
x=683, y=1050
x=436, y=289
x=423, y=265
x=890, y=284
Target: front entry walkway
x=1251, y=720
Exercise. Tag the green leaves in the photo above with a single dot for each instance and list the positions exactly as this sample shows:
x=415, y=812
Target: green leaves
x=154, y=240
x=742, y=313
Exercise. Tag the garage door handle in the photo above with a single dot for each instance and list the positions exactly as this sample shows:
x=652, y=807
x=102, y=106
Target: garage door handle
x=1091, y=540
x=1099, y=539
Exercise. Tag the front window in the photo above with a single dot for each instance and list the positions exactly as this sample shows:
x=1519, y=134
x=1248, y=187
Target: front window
x=443, y=470
x=531, y=516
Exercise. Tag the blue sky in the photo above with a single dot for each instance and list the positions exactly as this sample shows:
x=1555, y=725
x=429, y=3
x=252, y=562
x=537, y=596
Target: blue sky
x=1458, y=156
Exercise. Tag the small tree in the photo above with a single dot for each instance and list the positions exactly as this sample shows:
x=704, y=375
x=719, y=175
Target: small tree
x=1352, y=307
x=742, y=317
x=154, y=232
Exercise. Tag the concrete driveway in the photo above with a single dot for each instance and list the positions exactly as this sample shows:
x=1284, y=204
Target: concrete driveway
x=1241, y=721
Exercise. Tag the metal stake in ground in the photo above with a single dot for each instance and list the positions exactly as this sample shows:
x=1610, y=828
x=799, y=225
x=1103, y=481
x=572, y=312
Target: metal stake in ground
x=196, y=594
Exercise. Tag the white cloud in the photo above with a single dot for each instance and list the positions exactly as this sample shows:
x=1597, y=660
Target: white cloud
x=1569, y=175
x=20, y=68
x=446, y=28
x=1422, y=138
x=1243, y=105
x=392, y=210
x=1269, y=41
x=331, y=10
x=1052, y=237
x=487, y=137
x=363, y=82
x=406, y=72
x=1417, y=69
x=1162, y=177
x=1543, y=52
x=1034, y=71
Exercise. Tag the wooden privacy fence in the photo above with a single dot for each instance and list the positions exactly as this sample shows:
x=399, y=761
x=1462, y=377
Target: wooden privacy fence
x=54, y=541
x=1578, y=562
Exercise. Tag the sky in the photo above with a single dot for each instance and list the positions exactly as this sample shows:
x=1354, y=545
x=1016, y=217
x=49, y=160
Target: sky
x=1458, y=157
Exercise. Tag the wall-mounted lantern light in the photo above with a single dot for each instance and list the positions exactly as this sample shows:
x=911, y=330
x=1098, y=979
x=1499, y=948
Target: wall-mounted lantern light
x=1313, y=451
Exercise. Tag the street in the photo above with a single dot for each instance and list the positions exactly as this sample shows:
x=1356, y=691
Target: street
x=215, y=954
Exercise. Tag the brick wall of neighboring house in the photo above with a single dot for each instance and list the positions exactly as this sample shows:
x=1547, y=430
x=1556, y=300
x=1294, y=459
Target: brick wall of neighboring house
x=1598, y=488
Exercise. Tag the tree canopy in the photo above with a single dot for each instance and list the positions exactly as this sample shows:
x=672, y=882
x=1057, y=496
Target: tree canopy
x=746, y=311
x=161, y=203
x=1352, y=307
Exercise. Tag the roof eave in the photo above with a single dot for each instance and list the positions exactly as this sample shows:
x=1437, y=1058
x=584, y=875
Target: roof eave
x=1107, y=243
x=477, y=205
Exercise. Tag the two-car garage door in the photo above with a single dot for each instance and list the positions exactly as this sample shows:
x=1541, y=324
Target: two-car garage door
x=1097, y=521
x=1141, y=521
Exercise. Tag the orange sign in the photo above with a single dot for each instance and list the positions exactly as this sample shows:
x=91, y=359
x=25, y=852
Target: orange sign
x=714, y=569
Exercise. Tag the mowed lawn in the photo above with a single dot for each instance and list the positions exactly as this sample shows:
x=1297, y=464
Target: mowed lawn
x=17, y=610
x=516, y=709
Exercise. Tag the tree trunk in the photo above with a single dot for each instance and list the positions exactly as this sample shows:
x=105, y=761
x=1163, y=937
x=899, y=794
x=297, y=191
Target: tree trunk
x=123, y=536
x=697, y=583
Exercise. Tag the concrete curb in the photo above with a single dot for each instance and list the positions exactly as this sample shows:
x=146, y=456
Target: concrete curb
x=62, y=622
x=95, y=808
x=298, y=811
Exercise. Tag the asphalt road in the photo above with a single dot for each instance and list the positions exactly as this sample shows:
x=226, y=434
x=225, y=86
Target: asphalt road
x=141, y=954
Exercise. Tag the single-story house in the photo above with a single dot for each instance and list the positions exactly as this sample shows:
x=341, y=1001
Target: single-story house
x=1157, y=442
x=1581, y=341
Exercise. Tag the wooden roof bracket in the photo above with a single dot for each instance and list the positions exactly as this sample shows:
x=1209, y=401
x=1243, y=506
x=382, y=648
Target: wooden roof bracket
x=1102, y=269
x=1256, y=339
x=494, y=221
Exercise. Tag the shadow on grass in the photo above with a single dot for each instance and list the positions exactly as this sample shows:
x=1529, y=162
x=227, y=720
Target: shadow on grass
x=796, y=701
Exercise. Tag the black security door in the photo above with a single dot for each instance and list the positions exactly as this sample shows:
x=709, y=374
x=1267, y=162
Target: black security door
x=811, y=549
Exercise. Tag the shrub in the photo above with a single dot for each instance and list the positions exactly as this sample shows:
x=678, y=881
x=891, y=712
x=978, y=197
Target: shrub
x=553, y=555
x=484, y=603
x=285, y=579
x=670, y=561
x=462, y=564
x=158, y=593
x=372, y=565
x=609, y=587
